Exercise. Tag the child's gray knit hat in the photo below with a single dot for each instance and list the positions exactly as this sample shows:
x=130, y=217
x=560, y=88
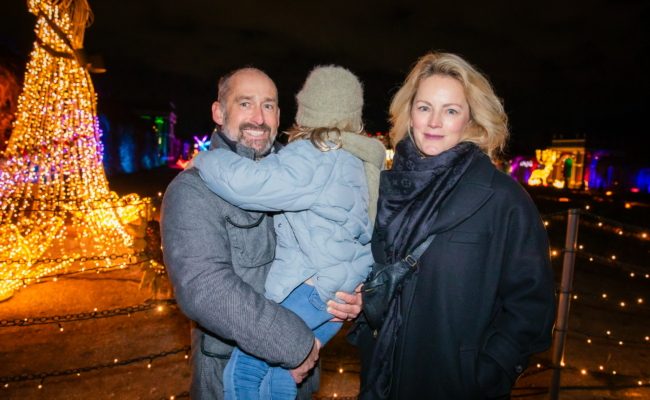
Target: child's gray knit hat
x=332, y=96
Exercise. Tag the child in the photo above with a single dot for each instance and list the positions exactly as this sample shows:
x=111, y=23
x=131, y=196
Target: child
x=325, y=181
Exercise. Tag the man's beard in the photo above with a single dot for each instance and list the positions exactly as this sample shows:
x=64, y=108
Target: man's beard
x=259, y=146
x=255, y=144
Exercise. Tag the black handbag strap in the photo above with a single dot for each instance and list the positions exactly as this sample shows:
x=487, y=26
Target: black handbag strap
x=413, y=258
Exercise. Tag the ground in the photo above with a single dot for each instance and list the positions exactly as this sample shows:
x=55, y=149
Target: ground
x=133, y=347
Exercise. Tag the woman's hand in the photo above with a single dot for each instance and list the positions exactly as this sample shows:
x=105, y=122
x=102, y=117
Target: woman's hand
x=349, y=309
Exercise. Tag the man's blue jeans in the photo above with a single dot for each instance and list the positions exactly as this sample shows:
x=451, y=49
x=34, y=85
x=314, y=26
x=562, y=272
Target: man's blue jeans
x=249, y=378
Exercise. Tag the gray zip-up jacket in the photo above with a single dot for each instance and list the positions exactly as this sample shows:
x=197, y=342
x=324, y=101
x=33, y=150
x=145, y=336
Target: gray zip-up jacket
x=218, y=257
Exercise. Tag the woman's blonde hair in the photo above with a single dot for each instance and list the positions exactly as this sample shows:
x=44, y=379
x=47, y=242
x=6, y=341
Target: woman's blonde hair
x=323, y=138
x=488, y=123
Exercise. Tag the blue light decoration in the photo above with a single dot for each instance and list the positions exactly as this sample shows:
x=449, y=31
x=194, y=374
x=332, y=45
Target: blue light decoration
x=642, y=180
x=127, y=151
x=597, y=177
x=202, y=144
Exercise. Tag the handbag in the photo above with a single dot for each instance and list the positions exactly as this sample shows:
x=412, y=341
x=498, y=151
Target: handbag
x=384, y=282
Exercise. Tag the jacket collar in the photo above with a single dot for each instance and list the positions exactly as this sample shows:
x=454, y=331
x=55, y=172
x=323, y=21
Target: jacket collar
x=469, y=195
x=219, y=140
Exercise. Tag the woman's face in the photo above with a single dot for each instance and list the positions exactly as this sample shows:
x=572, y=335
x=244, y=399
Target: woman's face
x=439, y=114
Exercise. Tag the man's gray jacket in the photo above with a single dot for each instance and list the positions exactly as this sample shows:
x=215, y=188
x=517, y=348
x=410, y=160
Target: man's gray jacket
x=218, y=257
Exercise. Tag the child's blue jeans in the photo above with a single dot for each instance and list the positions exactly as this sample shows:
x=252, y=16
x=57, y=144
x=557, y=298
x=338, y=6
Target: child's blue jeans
x=249, y=378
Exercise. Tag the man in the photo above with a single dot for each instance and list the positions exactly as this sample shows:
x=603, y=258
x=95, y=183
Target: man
x=218, y=255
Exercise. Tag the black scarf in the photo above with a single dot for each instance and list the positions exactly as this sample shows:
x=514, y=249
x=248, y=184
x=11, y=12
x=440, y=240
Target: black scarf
x=412, y=191
x=409, y=198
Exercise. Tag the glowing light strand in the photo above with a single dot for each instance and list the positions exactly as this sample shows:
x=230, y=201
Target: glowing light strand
x=54, y=197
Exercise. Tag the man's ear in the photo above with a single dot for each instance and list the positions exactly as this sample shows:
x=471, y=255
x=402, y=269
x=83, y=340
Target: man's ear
x=217, y=113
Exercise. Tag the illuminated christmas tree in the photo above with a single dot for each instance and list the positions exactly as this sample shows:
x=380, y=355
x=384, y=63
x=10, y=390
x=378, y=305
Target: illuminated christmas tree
x=57, y=213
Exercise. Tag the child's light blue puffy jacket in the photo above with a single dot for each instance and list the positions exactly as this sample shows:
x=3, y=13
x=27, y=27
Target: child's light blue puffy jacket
x=323, y=231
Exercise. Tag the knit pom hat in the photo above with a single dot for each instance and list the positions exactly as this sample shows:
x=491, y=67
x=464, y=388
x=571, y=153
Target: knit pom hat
x=331, y=97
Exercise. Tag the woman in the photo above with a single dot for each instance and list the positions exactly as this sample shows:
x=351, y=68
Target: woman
x=481, y=301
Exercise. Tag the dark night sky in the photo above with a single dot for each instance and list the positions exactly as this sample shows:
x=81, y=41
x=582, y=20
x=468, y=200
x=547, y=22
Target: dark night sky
x=562, y=67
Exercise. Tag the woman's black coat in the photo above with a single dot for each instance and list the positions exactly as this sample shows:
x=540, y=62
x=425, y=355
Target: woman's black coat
x=483, y=300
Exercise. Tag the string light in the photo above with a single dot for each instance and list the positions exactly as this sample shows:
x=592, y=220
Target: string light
x=54, y=196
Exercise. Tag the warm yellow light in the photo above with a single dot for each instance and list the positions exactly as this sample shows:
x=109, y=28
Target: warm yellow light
x=608, y=193
x=600, y=224
x=622, y=304
x=644, y=235
x=604, y=295
x=583, y=371
x=628, y=205
x=613, y=257
x=589, y=341
x=54, y=196
x=340, y=370
x=587, y=207
x=600, y=367
x=608, y=333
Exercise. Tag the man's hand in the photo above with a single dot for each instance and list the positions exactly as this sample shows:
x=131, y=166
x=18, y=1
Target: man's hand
x=300, y=372
x=346, y=311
